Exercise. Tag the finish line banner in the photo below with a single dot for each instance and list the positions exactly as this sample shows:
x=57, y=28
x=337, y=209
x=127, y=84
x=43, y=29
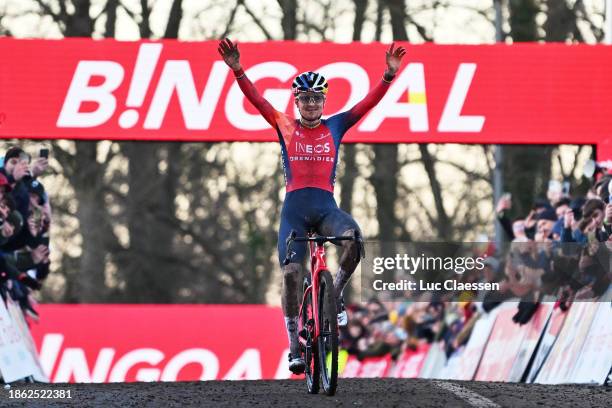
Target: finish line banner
x=168, y=90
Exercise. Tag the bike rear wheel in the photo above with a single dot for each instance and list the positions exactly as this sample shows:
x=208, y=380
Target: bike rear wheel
x=309, y=352
x=327, y=343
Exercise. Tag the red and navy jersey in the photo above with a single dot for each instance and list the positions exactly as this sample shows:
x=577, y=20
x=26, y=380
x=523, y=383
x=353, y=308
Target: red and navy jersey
x=310, y=155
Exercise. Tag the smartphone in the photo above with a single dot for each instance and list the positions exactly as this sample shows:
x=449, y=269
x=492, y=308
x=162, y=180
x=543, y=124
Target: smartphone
x=566, y=188
x=44, y=153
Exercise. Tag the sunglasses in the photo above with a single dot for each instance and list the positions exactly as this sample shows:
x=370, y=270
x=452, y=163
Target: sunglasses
x=311, y=98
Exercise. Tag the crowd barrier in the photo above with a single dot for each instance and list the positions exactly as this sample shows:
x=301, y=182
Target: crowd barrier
x=18, y=356
x=554, y=347
x=117, y=343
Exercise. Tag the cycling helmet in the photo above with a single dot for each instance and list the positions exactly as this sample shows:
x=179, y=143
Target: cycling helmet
x=309, y=82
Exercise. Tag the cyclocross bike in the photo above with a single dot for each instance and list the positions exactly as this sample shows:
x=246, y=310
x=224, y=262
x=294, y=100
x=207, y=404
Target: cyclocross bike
x=318, y=325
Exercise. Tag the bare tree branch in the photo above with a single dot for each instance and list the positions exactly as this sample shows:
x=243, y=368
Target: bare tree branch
x=58, y=18
x=230, y=21
x=256, y=20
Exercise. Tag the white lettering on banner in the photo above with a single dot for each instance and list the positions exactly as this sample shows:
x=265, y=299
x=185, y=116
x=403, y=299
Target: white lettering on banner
x=411, y=81
x=356, y=76
x=143, y=355
x=206, y=358
x=451, y=120
x=282, y=372
x=406, y=98
x=248, y=367
x=80, y=91
x=49, y=351
x=278, y=98
x=146, y=61
x=177, y=75
x=74, y=363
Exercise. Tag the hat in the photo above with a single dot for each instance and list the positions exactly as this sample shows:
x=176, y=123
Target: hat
x=541, y=203
x=14, y=151
x=16, y=220
x=35, y=187
x=548, y=214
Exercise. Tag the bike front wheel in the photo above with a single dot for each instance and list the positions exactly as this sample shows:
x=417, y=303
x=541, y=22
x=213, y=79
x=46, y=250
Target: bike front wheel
x=309, y=352
x=327, y=342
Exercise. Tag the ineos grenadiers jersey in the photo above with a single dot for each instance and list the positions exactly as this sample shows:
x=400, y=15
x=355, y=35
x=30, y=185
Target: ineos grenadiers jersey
x=310, y=155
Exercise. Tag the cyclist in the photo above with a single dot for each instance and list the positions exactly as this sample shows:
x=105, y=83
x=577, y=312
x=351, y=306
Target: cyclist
x=309, y=148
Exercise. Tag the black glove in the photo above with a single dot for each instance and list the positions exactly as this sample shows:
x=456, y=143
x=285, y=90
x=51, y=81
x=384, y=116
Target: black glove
x=29, y=281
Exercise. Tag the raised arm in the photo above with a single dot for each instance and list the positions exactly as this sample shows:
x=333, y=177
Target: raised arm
x=394, y=59
x=231, y=55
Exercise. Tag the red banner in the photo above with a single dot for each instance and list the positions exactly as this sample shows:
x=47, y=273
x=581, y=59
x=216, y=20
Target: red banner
x=410, y=363
x=371, y=367
x=116, y=343
x=86, y=89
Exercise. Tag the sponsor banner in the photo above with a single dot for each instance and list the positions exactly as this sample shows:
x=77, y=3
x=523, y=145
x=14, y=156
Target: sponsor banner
x=20, y=322
x=16, y=360
x=530, y=341
x=451, y=371
x=549, y=336
x=351, y=368
x=562, y=358
x=371, y=367
x=595, y=360
x=410, y=363
x=435, y=361
x=169, y=90
x=116, y=343
x=475, y=346
x=502, y=347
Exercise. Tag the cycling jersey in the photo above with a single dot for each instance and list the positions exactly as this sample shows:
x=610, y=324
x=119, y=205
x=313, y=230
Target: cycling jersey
x=310, y=155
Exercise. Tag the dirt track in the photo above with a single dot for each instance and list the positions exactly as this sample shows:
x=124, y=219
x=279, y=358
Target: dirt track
x=351, y=392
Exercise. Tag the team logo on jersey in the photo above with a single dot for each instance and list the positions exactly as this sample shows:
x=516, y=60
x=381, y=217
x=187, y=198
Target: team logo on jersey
x=308, y=148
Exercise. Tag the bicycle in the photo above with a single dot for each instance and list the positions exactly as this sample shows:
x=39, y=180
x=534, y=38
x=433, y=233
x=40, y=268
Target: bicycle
x=318, y=331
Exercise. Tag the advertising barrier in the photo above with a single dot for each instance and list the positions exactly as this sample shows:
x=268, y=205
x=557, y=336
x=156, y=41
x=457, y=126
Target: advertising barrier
x=170, y=90
x=411, y=362
x=18, y=358
x=371, y=367
x=535, y=329
x=434, y=362
x=473, y=350
x=548, y=338
x=557, y=368
x=116, y=343
x=593, y=364
x=502, y=348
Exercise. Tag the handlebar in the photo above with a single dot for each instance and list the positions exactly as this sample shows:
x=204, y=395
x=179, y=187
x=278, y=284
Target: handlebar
x=319, y=239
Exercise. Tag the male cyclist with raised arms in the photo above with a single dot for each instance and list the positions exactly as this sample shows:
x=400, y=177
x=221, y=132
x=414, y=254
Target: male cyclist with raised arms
x=309, y=147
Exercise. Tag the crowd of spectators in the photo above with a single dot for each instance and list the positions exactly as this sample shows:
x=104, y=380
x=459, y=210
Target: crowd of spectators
x=25, y=218
x=558, y=251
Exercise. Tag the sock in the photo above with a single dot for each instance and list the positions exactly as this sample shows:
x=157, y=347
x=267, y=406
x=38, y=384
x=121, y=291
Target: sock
x=292, y=335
